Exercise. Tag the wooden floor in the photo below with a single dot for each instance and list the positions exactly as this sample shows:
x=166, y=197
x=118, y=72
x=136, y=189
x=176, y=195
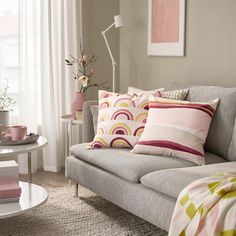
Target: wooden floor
x=48, y=178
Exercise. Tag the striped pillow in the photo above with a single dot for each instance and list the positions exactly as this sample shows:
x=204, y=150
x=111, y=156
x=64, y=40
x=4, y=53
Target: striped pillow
x=179, y=94
x=177, y=128
x=121, y=118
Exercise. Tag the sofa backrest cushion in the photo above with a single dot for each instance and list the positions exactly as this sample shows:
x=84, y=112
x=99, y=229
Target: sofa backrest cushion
x=221, y=138
x=94, y=111
x=87, y=127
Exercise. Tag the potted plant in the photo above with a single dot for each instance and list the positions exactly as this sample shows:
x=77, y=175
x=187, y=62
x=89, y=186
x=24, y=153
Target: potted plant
x=5, y=101
x=83, y=75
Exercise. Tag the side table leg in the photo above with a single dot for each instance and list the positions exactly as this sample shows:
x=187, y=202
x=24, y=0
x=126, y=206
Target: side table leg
x=70, y=137
x=29, y=167
x=76, y=189
x=66, y=140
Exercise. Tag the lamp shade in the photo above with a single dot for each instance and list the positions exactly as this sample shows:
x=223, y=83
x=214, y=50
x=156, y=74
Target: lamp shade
x=118, y=21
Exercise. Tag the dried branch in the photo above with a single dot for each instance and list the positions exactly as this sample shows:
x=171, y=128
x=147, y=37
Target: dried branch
x=83, y=62
x=5, y=99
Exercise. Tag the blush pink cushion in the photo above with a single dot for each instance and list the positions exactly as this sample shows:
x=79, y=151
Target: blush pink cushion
x=121, y=118
x=177, y=128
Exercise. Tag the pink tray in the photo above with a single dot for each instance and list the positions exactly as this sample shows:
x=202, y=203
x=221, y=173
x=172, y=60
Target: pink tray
x=30, y=138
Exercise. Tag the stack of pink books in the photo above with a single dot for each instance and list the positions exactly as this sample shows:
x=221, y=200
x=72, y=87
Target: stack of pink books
x=10, y=190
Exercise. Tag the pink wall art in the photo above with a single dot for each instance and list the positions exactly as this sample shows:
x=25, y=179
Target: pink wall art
x=166, y=27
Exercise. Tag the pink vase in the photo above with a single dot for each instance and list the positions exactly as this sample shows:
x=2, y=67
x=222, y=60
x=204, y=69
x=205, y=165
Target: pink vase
x=77, y=103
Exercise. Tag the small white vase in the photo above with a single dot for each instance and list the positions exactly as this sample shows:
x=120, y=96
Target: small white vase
x=4, y=118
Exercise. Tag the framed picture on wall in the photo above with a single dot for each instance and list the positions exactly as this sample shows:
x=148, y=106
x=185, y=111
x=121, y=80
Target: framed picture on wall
x=166, y=27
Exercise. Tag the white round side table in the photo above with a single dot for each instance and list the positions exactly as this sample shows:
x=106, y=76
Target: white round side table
x=32, y=196
x=69, y=122
x=8, y=151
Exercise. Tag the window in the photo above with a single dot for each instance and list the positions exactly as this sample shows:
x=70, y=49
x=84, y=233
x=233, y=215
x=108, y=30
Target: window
x=9, y=61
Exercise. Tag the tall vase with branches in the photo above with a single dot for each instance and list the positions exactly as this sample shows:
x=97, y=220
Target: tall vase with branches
x=83, y=74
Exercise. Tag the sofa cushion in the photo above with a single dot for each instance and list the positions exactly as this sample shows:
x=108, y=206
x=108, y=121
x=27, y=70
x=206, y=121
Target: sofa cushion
x=121, y=118
x=221, y=136
x=179, y=94
x=171, y=182
x=87, y=127
x=127, y=165
x=175, y=94
x=94, y=111
x=177, y=128
x=133, y=197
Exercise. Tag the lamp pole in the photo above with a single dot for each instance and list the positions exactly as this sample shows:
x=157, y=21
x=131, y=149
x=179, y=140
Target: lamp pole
x=117, y=24
x=112, y=58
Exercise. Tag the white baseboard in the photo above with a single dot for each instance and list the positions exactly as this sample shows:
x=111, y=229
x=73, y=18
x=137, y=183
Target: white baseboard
x=23, y=171
x=51, y=168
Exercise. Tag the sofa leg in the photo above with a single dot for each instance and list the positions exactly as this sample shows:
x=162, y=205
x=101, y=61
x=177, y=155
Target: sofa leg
x=76, y=189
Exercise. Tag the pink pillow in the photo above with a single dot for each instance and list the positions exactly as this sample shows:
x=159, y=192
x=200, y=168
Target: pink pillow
x=121, y=118
x=177, y=128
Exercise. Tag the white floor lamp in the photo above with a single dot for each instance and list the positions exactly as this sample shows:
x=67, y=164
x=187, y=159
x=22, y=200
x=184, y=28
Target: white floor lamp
x=118, y=23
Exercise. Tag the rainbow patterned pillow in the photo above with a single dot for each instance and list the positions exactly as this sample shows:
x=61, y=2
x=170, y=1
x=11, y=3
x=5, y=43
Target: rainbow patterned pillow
x=177, y=128
x=121, y=119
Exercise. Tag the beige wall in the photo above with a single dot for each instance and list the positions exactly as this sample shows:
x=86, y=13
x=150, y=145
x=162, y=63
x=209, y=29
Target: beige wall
x=210, y=47
x=97, y=16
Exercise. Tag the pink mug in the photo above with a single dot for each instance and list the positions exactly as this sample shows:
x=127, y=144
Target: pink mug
x=18, y=132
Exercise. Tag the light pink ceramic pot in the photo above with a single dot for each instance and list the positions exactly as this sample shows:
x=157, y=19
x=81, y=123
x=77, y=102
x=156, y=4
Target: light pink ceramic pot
x=18, y=132
x=77, y=103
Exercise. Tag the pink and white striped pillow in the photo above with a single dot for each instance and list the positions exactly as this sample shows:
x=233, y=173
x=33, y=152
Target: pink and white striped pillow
x=177, y=128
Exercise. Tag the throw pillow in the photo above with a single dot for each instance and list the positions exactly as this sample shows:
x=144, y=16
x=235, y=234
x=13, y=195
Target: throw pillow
x=121, y=118
x=177, y=128
x=179, y=94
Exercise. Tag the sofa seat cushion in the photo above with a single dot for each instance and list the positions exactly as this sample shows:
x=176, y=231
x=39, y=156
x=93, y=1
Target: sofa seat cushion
x=125, y=164
x=172, y=182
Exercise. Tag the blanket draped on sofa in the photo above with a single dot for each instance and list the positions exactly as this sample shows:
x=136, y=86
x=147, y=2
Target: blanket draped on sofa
x=206, y=207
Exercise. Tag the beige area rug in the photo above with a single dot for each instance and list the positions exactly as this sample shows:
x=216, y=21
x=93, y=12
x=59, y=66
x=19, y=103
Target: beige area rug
x=63, y=214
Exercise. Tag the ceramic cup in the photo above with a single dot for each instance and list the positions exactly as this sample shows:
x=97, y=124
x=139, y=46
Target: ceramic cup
x=18, y=132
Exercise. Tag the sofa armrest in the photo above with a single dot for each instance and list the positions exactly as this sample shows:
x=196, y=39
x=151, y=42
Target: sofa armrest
x=88, y=131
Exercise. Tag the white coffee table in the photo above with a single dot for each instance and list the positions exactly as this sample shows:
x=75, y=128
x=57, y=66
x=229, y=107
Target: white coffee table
x=32, y=196
x=9, y=151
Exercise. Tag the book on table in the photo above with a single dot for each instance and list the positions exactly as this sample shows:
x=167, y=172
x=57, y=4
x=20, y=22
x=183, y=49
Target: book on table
x=9, y=200
x=10, y=190
x=9, y=170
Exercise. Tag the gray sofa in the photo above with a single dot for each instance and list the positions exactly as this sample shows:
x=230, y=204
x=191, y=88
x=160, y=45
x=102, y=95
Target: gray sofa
x=148, y=185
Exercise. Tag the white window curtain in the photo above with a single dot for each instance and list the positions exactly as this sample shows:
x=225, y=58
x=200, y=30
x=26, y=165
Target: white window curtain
x=49, y=32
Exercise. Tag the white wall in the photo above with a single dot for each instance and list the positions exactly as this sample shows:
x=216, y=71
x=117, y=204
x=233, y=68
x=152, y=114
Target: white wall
x=210, y=47
x=97, y=16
